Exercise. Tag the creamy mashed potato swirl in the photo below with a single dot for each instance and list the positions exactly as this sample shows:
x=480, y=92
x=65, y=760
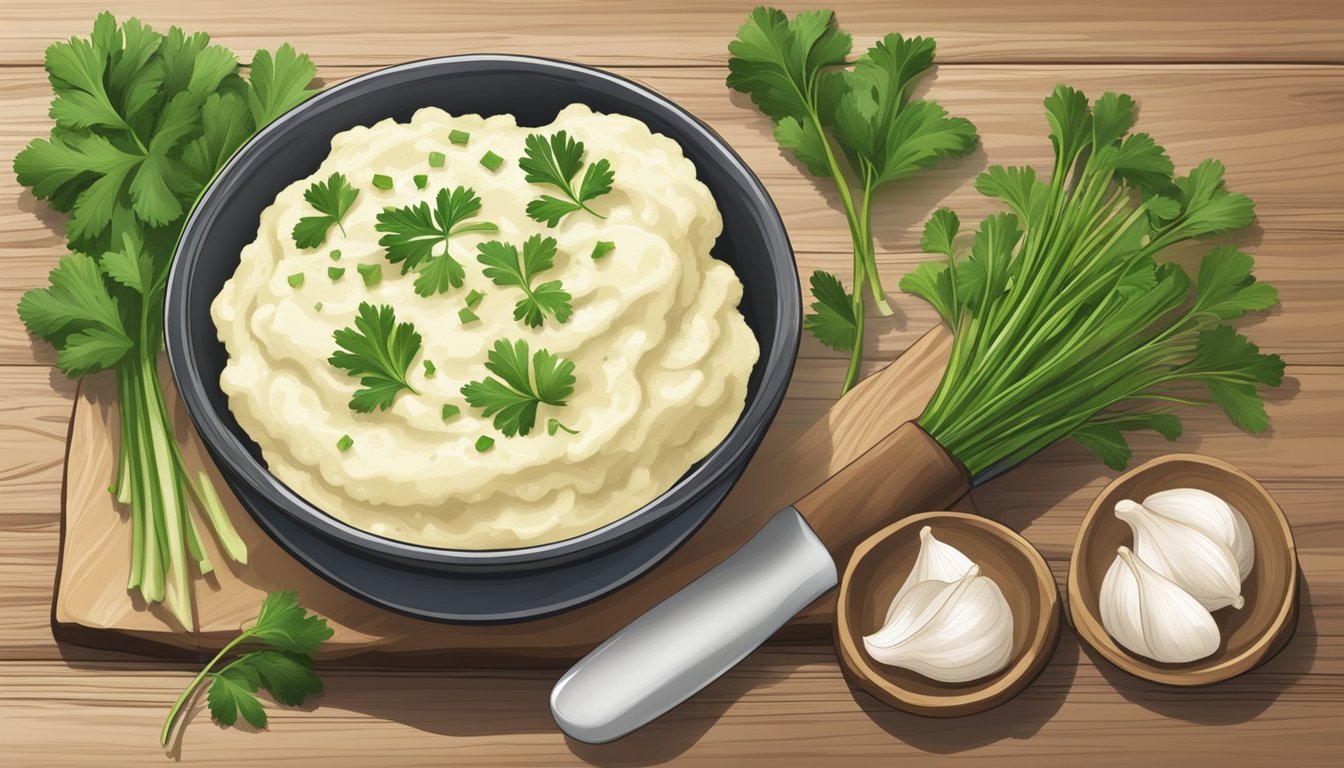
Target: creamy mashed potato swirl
x=661, y=352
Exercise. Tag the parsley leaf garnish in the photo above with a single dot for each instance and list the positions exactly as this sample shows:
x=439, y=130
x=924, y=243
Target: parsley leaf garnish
x=331, y=198
x=379, y=350
x=556, y=162
x=832, y=316
x=524, y=384
x=414, y=231
x=284, y=669
x=504, y=267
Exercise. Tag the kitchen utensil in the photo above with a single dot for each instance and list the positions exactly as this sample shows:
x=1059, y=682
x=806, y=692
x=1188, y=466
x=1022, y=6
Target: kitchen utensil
x=881, y=564
x=1252, y=634
x=637, y=675
x=491, y=585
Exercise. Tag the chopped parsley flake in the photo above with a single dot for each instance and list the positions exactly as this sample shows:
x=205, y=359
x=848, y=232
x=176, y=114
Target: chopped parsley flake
x=492, y=161
x=344, y=443
x=474, y=298
x=467, y=316
x=450, y=411
x=382, y=181
x=295, y=280
x=421, y=180
x=336, y=255
x=429, y=369
x=335, y=273
x=372, y=273
x=436, y=159
x=602, y=248
x=484, y=443
x=459, y=138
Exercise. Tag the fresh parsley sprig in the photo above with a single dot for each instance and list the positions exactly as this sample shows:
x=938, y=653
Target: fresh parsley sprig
x=143, y=121
x=332, y=199
x=793, y=69
x=1064, y=322
x=414, y=231
x=526, y=381
x=555, y=162
x=288, y=637
x=505, y=267
x=379, y=351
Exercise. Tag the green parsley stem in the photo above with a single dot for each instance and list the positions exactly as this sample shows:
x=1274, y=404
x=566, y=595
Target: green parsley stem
x=195, y=684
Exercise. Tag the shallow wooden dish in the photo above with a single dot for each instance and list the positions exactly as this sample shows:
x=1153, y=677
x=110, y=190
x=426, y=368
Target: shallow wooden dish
x=881, y=564
x=1252, y=634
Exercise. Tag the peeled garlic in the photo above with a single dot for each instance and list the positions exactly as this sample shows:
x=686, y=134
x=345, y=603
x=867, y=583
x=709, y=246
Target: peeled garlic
x=953, y=632
x=1193, y=560
x=1151, y=616
x=936, y=561
x=1210, y=514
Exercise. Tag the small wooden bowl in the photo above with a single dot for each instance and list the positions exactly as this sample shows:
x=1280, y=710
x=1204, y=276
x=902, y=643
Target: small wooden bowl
x=881, y=564
x=1252, y=634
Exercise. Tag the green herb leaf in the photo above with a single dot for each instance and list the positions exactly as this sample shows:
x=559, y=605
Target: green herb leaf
x=555, y=162
x=523, y=385
x=414, y=232
x=372, y=273
x=284, y=668
x=379, y=351
x=332, y=199
x=793, y=71
x=279, y=83
x=1066, y=322
x=504, y=267
x=832, y=316
x=78, y=316
x=602, y=248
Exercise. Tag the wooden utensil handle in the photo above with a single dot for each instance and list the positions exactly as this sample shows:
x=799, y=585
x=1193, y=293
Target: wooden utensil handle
x=905, y=473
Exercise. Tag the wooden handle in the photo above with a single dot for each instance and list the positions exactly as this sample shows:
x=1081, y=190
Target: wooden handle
x=906, y=473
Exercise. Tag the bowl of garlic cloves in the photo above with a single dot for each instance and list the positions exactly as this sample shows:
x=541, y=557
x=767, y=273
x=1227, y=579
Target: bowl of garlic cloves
x=945, y=614
x=1184, y=572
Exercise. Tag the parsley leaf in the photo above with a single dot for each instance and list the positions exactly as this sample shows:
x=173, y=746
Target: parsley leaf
x=284, y=669
x=794, y=72
x=378, y=350
x=546, y=379
x=414, y=231
x=1103, y=437
x=504, y=267
x=832, y=316
x=331, y=198
x=555, y=162
x=79, y=316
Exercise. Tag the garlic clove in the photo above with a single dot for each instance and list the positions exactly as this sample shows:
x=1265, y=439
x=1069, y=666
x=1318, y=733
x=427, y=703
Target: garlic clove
x=936, y=561
x=1207, y=512
x=1150, y=615
x=1196, y=562
x=953, y=632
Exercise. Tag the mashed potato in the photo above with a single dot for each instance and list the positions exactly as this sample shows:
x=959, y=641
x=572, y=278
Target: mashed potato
x=661, y=352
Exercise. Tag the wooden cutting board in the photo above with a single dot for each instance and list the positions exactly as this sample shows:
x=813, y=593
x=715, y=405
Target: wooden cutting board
x=92, y=606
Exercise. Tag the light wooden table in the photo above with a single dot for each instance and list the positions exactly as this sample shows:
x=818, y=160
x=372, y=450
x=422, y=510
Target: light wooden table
x=1258, y=85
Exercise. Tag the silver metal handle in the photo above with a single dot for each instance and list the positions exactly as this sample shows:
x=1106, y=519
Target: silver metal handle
x=685, y=642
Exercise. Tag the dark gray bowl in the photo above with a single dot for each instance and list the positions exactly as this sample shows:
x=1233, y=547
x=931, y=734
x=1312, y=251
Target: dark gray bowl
x=754, y=242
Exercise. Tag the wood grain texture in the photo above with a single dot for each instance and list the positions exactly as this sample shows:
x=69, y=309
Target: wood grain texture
x=93, y=607
x=678, y=32
x=1275, y=124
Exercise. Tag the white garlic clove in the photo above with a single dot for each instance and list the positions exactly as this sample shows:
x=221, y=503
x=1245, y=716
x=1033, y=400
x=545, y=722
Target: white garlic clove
x=1196, y=562
x=1203, y=510
x=1152, y=616
x=936, y=561
x=953, y=632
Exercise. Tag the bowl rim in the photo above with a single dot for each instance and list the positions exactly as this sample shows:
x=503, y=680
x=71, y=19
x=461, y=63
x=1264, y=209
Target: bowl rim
x=729, y=456
x=1269, y=642
x=1008, y=683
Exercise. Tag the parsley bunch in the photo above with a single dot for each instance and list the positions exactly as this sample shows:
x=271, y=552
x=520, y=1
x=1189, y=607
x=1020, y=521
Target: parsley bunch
x=288, y=637
x=1064, y=322
x=143, y=121
x=793, y=71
